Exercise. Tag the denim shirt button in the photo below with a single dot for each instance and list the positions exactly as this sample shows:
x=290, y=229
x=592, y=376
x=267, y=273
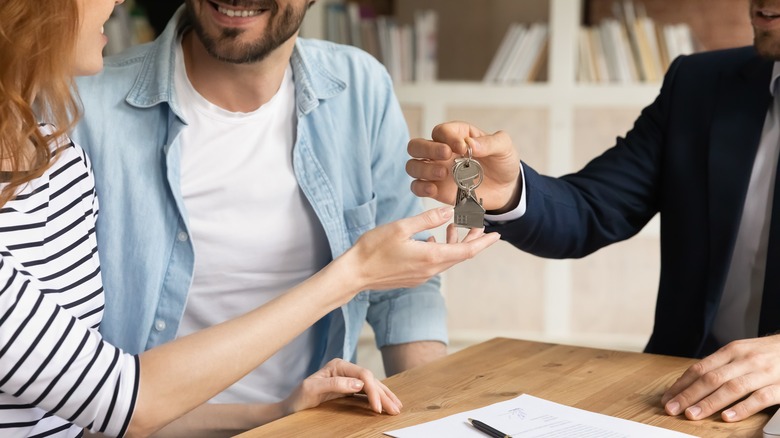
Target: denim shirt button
x=182, y=236
x=159, y=325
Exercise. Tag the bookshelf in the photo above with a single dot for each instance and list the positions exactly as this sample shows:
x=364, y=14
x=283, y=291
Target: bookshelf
x=606, y=299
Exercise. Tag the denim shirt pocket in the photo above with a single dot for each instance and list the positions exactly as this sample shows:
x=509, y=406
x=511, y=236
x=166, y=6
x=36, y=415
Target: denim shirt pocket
x=360, y=219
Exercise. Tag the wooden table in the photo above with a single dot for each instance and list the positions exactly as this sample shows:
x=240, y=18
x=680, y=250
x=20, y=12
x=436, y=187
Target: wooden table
x=621, y=384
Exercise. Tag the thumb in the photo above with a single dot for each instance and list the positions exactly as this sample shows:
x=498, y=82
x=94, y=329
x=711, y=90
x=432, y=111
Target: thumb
x=453, y=133
x=498, y=144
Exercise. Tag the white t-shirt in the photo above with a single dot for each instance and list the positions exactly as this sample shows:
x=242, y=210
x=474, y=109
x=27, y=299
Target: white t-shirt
x=254, y=232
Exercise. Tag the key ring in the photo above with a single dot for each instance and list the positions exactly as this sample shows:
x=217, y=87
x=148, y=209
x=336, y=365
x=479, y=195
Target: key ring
x=467, y=159
x=468, y=162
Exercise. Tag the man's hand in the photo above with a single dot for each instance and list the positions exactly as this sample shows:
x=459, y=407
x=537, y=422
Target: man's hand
x=748, y=369
x=432, y=160
x=337, y=379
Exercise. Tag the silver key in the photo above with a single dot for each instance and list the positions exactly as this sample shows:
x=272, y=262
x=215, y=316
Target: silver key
x=464, y=178
x=465, y=171
x=468, y=175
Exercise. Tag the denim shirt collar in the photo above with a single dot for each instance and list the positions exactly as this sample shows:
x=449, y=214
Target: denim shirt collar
x=154, y=85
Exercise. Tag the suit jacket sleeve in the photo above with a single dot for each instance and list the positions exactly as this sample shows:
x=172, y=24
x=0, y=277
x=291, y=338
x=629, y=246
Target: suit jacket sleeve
x=607, y=201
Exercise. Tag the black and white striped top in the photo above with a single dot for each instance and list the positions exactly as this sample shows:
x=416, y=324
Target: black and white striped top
x=57, y=375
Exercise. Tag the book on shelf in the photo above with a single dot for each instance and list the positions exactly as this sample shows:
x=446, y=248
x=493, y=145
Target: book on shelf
x=336, y=23
x=408, y=51
x=630, y=47
x=653, y=65
x=587, y=63
x=511, y=37
x=520, y=56
x=617, y=49
x=679, y=40
x=426, y=25
x=354, y=19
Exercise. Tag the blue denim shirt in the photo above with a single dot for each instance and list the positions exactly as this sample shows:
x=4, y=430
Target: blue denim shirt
x=348, y=158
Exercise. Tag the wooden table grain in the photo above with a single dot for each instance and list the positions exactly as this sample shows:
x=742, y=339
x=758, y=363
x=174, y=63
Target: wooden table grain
x=621, y=384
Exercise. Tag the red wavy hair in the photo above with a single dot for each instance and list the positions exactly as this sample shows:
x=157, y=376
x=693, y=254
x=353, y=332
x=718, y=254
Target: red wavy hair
x=37, y=53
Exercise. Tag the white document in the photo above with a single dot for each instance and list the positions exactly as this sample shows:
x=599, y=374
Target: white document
x=530, y=417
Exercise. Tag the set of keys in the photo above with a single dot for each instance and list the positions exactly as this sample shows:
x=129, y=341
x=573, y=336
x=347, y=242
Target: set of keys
x=468, y=175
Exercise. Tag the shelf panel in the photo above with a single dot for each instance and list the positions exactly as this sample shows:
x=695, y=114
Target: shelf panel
x=615, y=95
x=545, y=95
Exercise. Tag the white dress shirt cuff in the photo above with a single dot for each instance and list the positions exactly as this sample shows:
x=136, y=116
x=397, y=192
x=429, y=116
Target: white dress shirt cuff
x=517, y=213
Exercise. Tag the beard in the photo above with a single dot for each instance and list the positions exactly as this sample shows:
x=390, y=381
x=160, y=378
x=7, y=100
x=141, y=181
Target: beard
x=227, y=46
x=767, y=45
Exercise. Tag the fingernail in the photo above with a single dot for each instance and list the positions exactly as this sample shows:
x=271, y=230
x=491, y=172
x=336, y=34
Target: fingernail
x=673, y=408
x=393, y=409
x=694, y=411
x=729, y=414
x=446, y=212
x=357, y=384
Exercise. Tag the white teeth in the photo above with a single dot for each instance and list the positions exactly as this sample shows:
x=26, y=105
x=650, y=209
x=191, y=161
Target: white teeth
x=237, y=13
x=102, y=29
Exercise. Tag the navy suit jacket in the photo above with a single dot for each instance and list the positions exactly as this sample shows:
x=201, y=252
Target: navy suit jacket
x=688, y=157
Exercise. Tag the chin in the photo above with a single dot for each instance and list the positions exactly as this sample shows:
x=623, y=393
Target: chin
x=767, y=44
x=88, y=70
x=770, y=52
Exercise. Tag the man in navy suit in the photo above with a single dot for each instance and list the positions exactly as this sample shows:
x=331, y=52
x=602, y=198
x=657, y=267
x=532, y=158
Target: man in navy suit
x=704, y=155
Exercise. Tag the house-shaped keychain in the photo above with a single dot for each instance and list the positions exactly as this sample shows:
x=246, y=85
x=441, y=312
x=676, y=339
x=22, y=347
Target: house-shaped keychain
x=469, y=213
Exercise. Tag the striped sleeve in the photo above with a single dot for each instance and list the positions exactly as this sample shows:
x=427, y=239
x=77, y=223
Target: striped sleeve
x=53, y=360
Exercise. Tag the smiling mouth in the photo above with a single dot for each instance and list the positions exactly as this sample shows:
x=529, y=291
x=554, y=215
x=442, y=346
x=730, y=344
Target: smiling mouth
x=224, y=10
x=769, y=15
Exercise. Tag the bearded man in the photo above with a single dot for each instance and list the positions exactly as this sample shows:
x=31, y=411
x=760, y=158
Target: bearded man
x=235, y=160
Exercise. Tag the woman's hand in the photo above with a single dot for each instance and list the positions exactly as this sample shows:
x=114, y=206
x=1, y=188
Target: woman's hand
x=388, y=257
x=337, y=379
